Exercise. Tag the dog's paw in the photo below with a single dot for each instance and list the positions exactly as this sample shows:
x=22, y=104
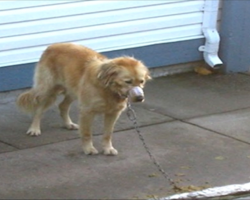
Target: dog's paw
x=110, y=151
x=33, y=132
x=72, y=126
x=90, y=150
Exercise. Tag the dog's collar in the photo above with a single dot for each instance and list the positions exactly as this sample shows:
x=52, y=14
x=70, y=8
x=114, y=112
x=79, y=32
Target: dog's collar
x=123, y=96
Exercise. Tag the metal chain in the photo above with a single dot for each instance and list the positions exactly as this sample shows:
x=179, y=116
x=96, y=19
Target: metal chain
x=132, y=117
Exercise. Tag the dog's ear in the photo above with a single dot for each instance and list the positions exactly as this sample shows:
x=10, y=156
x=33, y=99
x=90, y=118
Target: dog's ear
x=148, y=77
x=107, y=72
x=147, y=74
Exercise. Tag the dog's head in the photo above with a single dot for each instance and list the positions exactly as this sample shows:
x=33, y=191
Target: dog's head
x=124, y=76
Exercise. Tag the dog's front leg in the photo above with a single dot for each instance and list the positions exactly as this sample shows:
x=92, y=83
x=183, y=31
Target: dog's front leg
x=86, y=120
x=109, y=122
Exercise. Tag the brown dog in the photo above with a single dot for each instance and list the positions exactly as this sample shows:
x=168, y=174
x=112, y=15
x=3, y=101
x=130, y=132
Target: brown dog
x=100, y=84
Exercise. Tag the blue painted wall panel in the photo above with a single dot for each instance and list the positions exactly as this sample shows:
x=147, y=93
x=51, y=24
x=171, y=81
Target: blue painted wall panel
x=164, y=54
x=235, y=37
x=21, y=76
x=16, y=77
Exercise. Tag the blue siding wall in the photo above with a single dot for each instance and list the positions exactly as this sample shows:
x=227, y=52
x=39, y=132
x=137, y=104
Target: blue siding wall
x=21, y=76
x=235, y=35
x=16, y=77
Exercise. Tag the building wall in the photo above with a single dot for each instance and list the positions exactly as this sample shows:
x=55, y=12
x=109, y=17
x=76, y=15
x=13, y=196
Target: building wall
x=235, y=37
x=158, y=32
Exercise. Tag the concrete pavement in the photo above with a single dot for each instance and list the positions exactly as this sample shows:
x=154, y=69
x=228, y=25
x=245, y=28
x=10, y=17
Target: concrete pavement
x=196, y=127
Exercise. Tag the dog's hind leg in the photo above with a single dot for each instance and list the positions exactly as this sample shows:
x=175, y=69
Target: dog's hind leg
x=43, y=101
x=64, y=108
x=40, y=97
x=109, y=122
x=34, y=129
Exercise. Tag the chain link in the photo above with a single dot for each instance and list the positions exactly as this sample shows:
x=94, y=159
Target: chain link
x=132, y=117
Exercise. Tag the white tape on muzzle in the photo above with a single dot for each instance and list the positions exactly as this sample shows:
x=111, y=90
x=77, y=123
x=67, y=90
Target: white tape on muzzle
x=136, y=94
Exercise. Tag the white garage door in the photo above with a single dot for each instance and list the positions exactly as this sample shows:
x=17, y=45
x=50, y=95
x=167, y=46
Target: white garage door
x=28, y=27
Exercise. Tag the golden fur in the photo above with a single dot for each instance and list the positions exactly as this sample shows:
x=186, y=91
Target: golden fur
x=100, y=84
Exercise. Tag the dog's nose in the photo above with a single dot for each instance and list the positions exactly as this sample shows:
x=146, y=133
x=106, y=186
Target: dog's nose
x=139, y=98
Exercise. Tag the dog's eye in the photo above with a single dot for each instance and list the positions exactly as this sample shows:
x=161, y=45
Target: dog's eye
x=128, y=81
x=141, y=81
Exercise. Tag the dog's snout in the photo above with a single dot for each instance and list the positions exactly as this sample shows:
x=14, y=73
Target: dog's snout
x=136, y=94
x=140, y=98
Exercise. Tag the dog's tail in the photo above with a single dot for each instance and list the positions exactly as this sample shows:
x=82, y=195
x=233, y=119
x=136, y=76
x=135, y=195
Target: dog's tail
x=28, y=101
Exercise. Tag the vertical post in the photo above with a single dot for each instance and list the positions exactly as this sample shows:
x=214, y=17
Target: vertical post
x=235, y=35
x=210, y=32
x=211, y=8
